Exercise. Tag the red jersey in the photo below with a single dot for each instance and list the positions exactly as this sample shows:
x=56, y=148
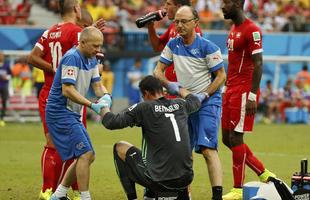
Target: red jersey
x=243, y=41
x=165, y=37
x=54, y=43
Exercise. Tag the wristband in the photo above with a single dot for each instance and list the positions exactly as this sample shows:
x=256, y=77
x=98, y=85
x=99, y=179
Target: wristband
x=224, y=89
x=252, y=96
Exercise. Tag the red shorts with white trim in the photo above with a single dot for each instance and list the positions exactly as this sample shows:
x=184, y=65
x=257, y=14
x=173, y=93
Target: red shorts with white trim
x=234, y=109
x=43, y=96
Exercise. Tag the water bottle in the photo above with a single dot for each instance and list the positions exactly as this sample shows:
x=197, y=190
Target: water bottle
x=150, y=17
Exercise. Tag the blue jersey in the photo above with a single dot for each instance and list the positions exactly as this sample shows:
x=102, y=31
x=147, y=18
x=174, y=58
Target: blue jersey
x=73, y=69
x=194, y=64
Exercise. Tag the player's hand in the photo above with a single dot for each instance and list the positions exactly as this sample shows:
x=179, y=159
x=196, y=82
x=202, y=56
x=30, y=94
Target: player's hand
x=200, y=96
x=98, y=105
x=106, y=99
x=250, y=107
x=173, y=88
x=100, y=24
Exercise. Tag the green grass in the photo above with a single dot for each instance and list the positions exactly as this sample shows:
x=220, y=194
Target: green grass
x=280, y=147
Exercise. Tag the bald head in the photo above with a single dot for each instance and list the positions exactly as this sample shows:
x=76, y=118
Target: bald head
x=91, y=40
x=67, y=6
x=188, y=11
x=91, y=33
x=86, y=20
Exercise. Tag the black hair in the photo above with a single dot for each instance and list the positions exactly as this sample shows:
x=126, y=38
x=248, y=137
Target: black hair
x=151, y=85
x=183, y=2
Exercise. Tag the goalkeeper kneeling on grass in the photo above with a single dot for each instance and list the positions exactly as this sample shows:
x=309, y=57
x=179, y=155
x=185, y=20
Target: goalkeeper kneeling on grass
x=165, y=162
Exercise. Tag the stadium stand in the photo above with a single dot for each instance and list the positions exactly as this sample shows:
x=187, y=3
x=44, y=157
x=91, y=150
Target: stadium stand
x=22, y=109
x=124, y=41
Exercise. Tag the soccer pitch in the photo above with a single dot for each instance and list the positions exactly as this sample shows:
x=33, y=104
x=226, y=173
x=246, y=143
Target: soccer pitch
x=280, y=147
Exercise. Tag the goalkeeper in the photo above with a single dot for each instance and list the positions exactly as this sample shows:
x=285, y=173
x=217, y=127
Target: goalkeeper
x=165, y=161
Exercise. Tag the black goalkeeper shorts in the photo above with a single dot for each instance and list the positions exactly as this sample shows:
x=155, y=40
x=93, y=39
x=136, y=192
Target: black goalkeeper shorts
x=137, y=172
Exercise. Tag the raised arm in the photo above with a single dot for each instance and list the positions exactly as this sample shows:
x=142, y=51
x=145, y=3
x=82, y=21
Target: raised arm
x=159, y=72
x=157, y=44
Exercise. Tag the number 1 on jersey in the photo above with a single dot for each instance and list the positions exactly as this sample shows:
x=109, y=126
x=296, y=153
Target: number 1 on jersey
x=174, y=125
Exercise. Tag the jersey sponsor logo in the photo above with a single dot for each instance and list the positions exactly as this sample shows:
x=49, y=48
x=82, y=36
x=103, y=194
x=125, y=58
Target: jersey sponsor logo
x=132, y=107
x=256, y=36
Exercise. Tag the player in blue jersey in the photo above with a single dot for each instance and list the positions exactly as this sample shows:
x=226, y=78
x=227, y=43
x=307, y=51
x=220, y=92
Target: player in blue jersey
x=78, y=69
x=199, y=68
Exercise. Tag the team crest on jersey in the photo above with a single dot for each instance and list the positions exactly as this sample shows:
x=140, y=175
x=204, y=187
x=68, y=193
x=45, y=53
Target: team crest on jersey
x=195, y=51
x=70, y=72
x=256, y=36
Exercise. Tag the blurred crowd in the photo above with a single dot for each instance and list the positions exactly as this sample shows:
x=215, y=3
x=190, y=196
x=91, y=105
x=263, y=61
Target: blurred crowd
x=271, y=15
x=274, y=103
x=14, y=12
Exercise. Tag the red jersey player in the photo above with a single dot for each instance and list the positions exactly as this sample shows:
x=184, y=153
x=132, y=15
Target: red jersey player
x=245, y=61
x=46, y=54
x=158, y=43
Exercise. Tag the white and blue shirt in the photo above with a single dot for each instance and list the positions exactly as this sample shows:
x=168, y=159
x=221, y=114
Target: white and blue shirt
x=75, y=69
x=194, y=64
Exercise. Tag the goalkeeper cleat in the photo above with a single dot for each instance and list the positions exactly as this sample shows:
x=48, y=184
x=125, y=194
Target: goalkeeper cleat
x=45, y=195
x=53, y=197
x=76, y=195
x=234, y=194
x=265, y=175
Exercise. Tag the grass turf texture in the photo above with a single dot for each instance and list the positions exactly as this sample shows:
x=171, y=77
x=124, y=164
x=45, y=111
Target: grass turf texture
x=280, y=147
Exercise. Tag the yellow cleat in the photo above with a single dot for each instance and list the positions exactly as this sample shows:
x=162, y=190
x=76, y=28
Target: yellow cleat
x=234, y=194
x=76, y=195
x=265, y=175
x=2, y=123
x=46, y=195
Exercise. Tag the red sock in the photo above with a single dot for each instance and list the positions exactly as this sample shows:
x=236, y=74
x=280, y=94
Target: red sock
x=256, y=165
x=48, y=168
x=239, y=156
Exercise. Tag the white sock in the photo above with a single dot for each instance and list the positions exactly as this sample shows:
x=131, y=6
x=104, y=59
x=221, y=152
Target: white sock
x=61, y=191
x=85, y=195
